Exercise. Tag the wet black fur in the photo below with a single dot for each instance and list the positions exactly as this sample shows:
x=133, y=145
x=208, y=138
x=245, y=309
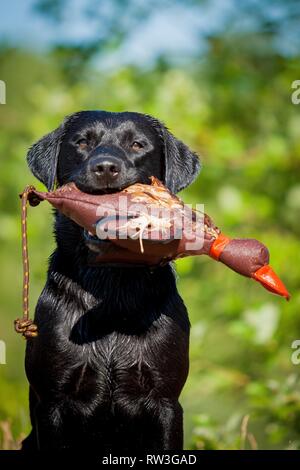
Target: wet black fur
x=111, y=358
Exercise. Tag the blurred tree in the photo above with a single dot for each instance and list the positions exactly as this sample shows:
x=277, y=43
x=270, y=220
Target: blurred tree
x=274, y=29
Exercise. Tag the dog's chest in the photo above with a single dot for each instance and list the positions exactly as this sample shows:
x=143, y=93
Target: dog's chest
x=115, y=367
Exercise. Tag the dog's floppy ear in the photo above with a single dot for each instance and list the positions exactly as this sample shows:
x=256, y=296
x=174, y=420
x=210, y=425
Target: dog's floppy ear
x=181, y=164
x=42, y=157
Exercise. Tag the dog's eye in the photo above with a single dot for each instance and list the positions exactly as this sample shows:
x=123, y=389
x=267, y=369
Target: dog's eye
x=136, y=145
x=82, y=143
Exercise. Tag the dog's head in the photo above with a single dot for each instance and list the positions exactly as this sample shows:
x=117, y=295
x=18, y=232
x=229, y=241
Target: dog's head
x=105, y=152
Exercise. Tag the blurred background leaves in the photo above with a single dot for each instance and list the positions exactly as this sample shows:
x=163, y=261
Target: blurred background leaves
x=228, y=95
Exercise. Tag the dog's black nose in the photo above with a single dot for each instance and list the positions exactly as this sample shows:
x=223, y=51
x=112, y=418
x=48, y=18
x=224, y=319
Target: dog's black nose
x=106, y=167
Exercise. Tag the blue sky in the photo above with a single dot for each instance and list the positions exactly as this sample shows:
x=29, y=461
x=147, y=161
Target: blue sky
x=176, y=32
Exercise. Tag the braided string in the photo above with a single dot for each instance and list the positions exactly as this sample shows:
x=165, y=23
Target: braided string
x=24, y=325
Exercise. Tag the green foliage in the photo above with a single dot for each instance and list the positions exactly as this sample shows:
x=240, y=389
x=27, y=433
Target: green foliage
x=234, y=109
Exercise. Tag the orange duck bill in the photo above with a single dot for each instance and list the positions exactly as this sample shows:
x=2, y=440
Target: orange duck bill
x=270, y=281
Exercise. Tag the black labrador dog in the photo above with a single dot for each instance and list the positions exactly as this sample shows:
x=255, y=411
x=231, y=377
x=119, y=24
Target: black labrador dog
x=111, y=358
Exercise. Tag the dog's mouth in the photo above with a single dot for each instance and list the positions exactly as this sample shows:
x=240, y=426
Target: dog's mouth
x=107, y=189
x=94, y=243
x=90, y=238
x=99, y=191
